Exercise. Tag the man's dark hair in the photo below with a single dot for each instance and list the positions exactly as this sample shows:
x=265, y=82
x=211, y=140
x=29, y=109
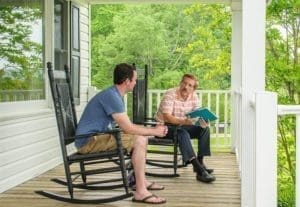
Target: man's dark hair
x=123, y=71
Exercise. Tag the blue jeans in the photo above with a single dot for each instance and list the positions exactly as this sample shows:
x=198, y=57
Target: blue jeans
x=185, y=134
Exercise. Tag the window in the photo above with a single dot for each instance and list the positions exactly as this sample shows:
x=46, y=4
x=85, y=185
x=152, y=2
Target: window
x=60, y=34
x=67, y=35
x=22, y=50
x=75, y=51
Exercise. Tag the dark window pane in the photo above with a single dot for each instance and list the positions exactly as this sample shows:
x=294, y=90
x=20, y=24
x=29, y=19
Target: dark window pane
x=61, y=34
x=75, y=73
x=75, y=28
x=58, y=25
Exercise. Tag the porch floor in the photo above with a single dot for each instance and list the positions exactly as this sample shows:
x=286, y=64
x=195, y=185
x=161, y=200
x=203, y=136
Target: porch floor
x=180, y=191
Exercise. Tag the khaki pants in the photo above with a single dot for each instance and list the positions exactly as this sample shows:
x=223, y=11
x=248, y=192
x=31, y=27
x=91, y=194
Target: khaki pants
x=107, y=142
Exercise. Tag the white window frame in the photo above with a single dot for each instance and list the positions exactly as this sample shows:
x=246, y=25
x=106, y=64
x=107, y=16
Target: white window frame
x=20, y=109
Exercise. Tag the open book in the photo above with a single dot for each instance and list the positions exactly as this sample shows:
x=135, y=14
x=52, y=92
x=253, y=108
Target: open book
x=203, y=113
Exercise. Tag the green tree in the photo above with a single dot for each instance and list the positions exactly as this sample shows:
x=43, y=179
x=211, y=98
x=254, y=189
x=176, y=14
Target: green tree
x=102, y=26
x=168, y=72
x=283, y=76
x=166, y=38
x=209, y=51
x=20, y=56
x=283, y=69
x=102, y=18
x=137, y=38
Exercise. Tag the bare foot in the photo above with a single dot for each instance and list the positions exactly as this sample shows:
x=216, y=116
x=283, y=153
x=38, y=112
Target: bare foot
x=154, y=186
x=151, y=186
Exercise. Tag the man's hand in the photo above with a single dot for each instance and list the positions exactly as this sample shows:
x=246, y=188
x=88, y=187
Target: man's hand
x=161, y=130
x=203, y=123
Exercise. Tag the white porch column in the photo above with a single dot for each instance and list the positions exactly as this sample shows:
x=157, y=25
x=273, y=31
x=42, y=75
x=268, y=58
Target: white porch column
x=236, y=76
x=265, y=149
x=253, y=80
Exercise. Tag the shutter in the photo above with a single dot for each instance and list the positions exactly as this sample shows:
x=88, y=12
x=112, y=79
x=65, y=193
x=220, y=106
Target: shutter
x=75, y=51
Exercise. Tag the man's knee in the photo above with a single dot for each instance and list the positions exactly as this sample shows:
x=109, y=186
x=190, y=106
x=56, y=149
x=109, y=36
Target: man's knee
x=183, y=137
x=141, y=141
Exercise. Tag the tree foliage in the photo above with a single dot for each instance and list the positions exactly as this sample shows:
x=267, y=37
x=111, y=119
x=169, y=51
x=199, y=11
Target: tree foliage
x=20, y=57
x=209, y=51
x=283, y=76
x=283, y=69
x=164, y=37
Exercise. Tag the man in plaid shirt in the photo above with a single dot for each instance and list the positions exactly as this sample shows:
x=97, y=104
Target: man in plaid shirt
x=175, y=104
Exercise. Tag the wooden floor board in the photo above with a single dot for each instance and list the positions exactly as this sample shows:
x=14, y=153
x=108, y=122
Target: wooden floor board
x=181, y=191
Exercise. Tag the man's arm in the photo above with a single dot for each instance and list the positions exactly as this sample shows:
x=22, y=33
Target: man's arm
x=128, y=127
x=169, y=118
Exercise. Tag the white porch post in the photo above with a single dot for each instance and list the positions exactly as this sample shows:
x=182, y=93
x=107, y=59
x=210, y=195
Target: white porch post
x=253, y=80
x=236, y=76
x=265, y=149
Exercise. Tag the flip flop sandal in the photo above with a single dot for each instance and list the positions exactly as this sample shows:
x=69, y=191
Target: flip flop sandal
x=151, y=187
x=146, y=200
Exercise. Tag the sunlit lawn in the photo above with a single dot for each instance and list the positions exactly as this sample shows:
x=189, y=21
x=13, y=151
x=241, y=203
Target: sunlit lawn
x=218, y=144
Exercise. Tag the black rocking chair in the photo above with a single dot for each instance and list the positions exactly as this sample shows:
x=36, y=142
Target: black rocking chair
x=88, y=164
x=139, y=108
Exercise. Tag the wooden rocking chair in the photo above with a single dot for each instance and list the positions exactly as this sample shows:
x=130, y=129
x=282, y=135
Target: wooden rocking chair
x=88, y=164
x=139, y=108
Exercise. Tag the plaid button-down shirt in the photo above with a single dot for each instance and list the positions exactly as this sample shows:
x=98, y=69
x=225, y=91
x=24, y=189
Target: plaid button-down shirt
x=172, y=104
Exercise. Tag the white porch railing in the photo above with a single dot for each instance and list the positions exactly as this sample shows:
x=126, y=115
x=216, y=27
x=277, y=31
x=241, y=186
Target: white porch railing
x=21, y=95
x=254, y=128
x=258, y=166
x=262, y=166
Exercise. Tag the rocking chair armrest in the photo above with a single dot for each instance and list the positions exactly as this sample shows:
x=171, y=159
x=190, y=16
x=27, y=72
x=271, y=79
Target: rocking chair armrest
x=172, y=125
x=147, y=122
x=176, y=127
x=150, y=119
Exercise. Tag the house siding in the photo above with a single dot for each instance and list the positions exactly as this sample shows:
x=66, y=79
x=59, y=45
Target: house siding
x=29, y=141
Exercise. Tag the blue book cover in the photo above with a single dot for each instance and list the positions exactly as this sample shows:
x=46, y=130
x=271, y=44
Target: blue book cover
x=203, y=113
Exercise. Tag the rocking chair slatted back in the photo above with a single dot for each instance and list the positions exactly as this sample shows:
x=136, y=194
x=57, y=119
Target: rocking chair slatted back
x=140, y=117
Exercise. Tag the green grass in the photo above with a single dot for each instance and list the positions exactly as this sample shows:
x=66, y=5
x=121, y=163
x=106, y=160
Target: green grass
x=220, y=144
